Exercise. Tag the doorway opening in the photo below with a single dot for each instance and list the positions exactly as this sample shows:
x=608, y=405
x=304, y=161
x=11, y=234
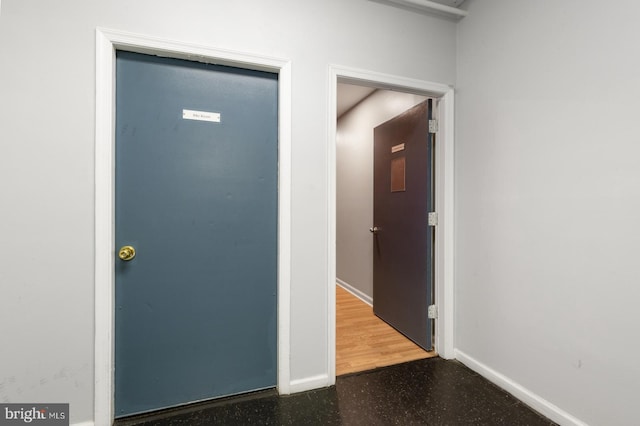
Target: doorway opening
x=364, y=340
x=371, y=84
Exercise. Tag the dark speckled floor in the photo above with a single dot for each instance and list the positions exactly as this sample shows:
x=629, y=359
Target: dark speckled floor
x=426, y=392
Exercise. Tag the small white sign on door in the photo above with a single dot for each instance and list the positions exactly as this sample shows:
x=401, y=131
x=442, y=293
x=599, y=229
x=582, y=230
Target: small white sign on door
x=397, y=148
x=189, y=114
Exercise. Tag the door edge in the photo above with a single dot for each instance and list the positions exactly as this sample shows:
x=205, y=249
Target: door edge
x=107, y=42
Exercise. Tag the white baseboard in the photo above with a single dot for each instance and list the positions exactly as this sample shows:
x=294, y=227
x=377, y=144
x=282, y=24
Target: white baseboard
x=357, y=293
x=309, y=383
x=533, y=400
x=88, y=423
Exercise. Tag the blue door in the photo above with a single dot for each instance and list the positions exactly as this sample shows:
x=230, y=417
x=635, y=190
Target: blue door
x=196, y=232
x=403, y=240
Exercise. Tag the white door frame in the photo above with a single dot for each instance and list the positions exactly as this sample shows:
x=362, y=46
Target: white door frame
x=107, y=42
x=444, y=240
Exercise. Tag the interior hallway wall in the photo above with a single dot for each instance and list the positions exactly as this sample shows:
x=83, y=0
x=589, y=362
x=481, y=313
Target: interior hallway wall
x=47, y=115
x=548, y=200
x=354, y=184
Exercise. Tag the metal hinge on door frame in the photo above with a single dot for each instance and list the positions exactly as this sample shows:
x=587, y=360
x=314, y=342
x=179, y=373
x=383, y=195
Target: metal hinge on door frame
x=432, y=312
x=432, y=219
x=433, y=126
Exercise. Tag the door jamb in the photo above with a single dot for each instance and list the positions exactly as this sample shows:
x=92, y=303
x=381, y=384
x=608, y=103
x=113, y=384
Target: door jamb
x=444, y=240
x=107, y=42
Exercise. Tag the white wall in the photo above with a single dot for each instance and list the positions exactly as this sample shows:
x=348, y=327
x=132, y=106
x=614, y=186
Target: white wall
x=47, y=86
x=548, y=200
x=354, y=184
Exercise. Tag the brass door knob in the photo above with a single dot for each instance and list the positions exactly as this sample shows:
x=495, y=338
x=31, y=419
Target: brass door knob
x=127, y=253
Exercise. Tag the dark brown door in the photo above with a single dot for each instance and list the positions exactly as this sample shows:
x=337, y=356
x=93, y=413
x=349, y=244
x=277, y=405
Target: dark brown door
x=403, y=240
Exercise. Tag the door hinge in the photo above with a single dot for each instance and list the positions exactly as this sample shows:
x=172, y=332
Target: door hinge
x=433, y=126
x=432, y=312
x=432, y=218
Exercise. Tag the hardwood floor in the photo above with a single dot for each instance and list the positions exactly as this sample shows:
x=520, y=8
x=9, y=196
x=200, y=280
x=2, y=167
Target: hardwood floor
x=365, y=342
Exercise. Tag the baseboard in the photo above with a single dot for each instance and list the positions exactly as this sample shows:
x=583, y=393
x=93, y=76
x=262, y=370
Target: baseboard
x=88, y=423
x=309, y=383
x=533, y=400
x=357, y=293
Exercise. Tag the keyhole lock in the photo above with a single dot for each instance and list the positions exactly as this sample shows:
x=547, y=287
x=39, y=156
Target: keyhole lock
x=127, y=253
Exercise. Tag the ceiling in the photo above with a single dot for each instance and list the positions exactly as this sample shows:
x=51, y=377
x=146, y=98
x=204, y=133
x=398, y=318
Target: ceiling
x=350, y=95
x=446, y=8
x=452, y=3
